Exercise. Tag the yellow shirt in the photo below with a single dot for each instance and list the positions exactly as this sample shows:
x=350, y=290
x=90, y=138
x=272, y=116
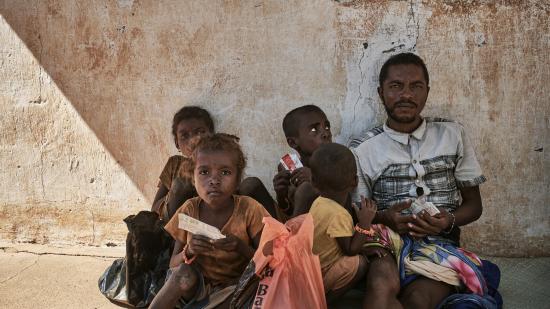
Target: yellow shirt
x=330, y=220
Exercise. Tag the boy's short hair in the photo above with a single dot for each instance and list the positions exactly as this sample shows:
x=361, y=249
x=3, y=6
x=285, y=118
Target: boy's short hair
x=219, y=142
x=191, y=112
x=292, y=119
x=332, y=166
x=403, y=58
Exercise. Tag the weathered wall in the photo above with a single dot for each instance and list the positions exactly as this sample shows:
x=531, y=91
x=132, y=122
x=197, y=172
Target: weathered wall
x=87, y=92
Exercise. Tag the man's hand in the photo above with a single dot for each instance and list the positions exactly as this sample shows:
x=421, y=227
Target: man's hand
x=425, y=224
x=393, y=218
x=300, y=175
x=366, y=213
x=281, y=182
x=200, y=245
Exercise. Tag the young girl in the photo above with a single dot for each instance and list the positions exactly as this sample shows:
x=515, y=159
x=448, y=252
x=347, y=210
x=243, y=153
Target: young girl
x=204, y=271
x=175, y=185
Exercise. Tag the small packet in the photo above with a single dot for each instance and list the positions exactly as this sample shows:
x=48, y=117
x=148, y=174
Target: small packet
x=290, y=162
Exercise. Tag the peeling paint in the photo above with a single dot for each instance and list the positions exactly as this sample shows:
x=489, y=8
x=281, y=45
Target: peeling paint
x=87, y=92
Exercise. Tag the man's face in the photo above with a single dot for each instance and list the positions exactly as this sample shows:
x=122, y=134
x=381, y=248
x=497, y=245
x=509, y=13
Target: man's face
x=314, y=130
x=404, y=93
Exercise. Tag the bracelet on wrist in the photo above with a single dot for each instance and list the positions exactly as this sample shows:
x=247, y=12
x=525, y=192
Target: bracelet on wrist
x=187, y=260
x=370, y=232
x=449, y=230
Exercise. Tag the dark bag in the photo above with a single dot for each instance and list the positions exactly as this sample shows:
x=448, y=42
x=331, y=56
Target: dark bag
x=135, y=280
x=246, y=288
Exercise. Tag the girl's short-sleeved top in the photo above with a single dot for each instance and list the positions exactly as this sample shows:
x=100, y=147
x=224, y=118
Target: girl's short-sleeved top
x=174, y=168
x=222, y=267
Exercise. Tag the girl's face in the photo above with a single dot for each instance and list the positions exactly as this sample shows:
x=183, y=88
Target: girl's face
x=187, y=131
x=216, y=176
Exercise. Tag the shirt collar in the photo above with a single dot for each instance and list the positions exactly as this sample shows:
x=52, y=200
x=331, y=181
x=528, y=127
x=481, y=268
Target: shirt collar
x=403, y=138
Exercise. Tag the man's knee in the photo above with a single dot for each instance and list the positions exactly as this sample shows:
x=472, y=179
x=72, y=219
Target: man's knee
x=382, y=277
x=424, y=293
x=415, y=298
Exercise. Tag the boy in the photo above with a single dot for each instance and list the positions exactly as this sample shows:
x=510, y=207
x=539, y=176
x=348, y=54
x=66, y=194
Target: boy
x=305, y=128
x=336, y=241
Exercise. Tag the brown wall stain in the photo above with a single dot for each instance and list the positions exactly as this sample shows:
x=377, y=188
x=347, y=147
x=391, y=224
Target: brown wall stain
x=89, y=91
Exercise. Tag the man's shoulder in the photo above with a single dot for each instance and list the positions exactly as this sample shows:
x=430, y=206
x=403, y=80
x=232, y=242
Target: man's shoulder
x=367, y=136
x=444, y=124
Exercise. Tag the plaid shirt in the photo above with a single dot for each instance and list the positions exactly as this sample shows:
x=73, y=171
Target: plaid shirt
x=437, y=157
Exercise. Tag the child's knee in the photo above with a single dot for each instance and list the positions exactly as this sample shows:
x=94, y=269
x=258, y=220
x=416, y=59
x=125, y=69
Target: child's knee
x=185, y=278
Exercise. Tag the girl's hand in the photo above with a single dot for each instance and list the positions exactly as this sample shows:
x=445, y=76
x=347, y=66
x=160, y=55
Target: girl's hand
x=366, y=213
x=229, y=243
x=200, y=245
x=233, y=244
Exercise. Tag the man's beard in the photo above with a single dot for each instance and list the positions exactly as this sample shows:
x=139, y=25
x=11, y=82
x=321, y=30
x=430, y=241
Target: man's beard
x=399, y=119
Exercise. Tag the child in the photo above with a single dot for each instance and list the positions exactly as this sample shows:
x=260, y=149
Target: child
x=305, y=128
x=175, y=186
x=336, y=241
x=205, y=270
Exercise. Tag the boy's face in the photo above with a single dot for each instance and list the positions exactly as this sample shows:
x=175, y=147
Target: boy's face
x=313, y=130
x=187, y=131
x=215, y=176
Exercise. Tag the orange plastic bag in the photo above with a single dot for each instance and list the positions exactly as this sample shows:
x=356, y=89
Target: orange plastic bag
x=290, y=273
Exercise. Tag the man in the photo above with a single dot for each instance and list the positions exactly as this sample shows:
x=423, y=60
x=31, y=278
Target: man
x=406, y=153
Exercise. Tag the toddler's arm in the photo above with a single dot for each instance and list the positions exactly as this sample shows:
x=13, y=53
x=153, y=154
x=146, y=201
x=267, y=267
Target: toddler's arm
x=353, y=245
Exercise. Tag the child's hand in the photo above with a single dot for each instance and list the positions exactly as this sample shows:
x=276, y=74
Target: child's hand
x=300, y=175
x=200, y=245
x=233, y=244
x=229, y=243
x=281, y=182
x=366, y=213
x=375, y=252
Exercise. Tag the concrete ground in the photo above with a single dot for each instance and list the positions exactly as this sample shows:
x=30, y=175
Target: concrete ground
x=48, y=277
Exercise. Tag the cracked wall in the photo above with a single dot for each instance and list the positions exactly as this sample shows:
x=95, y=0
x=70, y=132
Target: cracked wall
x=87, y=92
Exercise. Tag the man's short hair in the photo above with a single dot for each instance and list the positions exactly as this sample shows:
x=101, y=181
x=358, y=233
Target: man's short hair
x=332, y=166
x=403, y=58
x=291, y=122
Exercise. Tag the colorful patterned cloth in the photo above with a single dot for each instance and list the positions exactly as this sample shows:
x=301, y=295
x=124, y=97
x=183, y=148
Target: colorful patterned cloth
x=436, y=258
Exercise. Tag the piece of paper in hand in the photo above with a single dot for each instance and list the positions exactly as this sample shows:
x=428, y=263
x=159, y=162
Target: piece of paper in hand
x=195, y=226
x=290, y=162
x=418, y=206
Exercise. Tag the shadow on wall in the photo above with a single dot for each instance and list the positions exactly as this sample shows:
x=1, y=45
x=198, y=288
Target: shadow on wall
x=120, y=67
